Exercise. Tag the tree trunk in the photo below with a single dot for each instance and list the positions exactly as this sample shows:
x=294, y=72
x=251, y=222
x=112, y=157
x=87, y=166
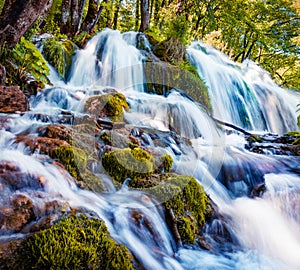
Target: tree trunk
x=145, y=16
x=65, y=16
x=18, y=16
x=116, y=15
x=93, y=15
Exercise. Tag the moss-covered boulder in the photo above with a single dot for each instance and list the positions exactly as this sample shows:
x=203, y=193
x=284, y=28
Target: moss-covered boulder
x=75, y=161
x=108, y=105
x=59, y=54
x=143, y=169
x=76, y=242
x=128, y=163
x=161, y=78
x=184, y=199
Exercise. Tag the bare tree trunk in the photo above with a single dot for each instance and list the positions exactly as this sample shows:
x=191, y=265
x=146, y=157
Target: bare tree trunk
x=145, y=15
x=93, y=15
x=116, y=15
x=18, y=16
x=65, y=16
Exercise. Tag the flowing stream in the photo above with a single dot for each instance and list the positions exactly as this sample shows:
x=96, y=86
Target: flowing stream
x=266, y=229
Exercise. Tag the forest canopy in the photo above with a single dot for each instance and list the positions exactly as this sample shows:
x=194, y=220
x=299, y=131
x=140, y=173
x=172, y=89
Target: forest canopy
x=265, y=31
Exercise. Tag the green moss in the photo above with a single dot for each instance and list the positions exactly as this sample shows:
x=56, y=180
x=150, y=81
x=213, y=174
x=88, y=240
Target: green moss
x=59, y=54
x=163, y=163
x=111, y=105
x=132, y=145
x=75, y=162
x=179, y=74
x=254, y=138
x=188, y=229
x=74, y=159
x=297, y=142
x=187, y=199
x=293, y=133
x=128, y=163
x=76, y=242
x=106, y=137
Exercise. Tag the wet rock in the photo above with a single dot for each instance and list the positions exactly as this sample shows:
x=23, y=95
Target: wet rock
x=15, y=216
x=108, y=105
x=272, y=144
x=4, y=121
x=62, y=118
x=187, y=207
x=41, y=144
x=12, y=100
x=60, y=132
x=13, y=178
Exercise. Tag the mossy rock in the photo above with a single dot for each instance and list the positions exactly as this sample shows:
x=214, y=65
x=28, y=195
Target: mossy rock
x=297, y=142
x=164, y=163
x=255, y=139
x=151, y=38
x=189, y=203
x=109, y=105
x=115, y=139
x=293, y=134
x=179, y=75
x=128, y=163
x=59, y=54
x=77, y=242
x=75, y=161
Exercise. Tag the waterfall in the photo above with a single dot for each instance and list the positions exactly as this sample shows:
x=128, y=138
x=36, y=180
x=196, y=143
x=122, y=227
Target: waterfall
x=244, y=94
x=105, y=62
x=266, y=228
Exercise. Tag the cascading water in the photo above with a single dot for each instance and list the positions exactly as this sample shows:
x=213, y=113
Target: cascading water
x=105, y=62
x=266, y=229
x=244, y=94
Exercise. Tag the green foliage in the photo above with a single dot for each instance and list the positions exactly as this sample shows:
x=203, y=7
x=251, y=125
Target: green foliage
x=128, y=163
x=26, y=58
x=59, y=55
x=187, y=199
x=179, y=28
x=81, y=38
x=74, y=243
x=266, y=32
x=51, y=23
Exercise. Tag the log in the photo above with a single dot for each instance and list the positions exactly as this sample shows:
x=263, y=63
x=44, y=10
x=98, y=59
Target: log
x=239, y=129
